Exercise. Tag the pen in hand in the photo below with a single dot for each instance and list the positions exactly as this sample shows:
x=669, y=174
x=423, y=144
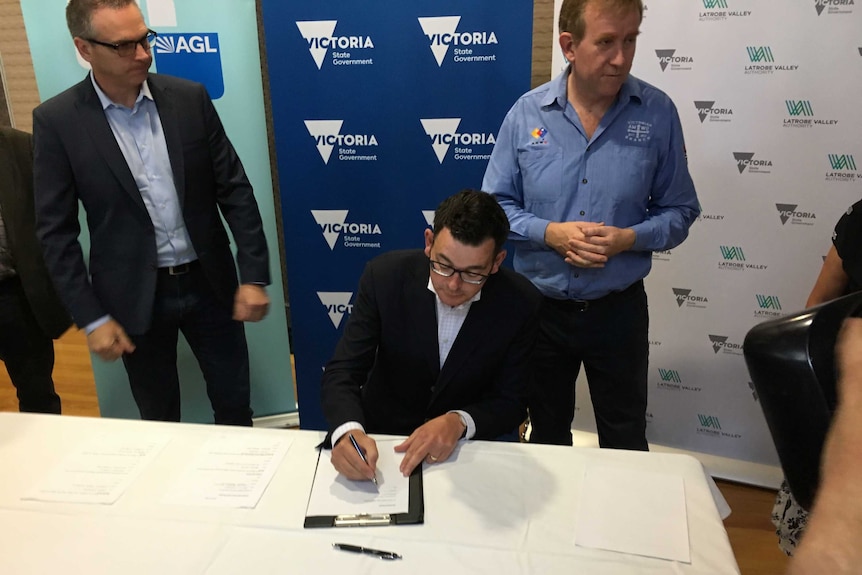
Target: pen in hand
x=389, y=555
x=362, y=455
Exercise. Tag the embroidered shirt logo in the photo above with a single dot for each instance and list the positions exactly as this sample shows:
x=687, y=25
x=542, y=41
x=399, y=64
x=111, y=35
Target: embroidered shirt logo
x=638, y=131
x=538, y=135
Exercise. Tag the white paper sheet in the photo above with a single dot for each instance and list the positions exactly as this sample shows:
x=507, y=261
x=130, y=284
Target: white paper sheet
x=100, y=470
x=333, y=494
x=633, y=511
x=229, y=471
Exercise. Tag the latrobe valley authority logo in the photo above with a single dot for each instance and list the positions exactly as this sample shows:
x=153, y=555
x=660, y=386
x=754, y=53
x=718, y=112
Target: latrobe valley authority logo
x=668, y=58
x=351, y=147
x=709, y=425
x=194, y=56
x=469, y=146
x=354, y=50
x=747, y=161
x=708, y=109
x=790, y=213
x=670, y=379
x=718, y=10
x=467, y=47
x=842, y=168
x=800, y=114
x=768, y=307
x=334, y=226
x=733, y=259
x=337, y=304
x=762, y=62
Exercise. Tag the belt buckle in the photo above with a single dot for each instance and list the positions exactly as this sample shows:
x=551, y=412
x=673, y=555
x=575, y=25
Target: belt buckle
x=179, y=270
x=581, y=305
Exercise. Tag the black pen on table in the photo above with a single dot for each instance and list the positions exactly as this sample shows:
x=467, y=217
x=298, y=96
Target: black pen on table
x=362, y=455
x=388, y=555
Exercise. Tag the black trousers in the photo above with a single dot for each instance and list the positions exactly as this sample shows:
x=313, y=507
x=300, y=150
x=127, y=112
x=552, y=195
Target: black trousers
x=609, y=337
x=27, y=352
x=187, y=303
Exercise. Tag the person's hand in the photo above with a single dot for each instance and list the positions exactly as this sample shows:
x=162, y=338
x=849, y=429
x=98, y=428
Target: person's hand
x=348, y=463
x=109, y=341
x=559, y=234
x=250, y=303
x=433, y=441
x=598, y=244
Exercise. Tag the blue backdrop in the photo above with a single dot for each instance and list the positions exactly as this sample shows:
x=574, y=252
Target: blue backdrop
x=381, y=110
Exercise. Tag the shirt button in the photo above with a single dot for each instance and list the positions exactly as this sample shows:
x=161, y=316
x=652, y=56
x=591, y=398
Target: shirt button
x=584, y=181
x=577, y=275
x=588, y=148
x=583, y=212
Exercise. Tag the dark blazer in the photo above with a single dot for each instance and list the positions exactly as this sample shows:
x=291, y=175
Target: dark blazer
x=77, y=158
x=16, y=204
x=385, y=372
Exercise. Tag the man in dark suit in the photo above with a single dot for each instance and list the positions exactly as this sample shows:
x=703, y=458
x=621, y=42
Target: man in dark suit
x=148, y=158
x=436, y=345
x=31, y=314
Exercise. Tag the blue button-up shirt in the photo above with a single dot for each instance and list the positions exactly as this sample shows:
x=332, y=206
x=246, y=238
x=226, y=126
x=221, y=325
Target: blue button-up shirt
x=139, y=134
x=632, y=173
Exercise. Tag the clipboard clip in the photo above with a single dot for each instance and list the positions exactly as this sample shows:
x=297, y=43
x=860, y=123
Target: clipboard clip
x=363, y=520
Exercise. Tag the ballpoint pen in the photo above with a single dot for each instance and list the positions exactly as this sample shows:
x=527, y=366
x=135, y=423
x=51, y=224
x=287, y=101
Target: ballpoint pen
x=362, y=455
x=388, y=555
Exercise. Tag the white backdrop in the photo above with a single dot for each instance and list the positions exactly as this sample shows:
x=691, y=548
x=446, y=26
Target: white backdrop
x=767, y=91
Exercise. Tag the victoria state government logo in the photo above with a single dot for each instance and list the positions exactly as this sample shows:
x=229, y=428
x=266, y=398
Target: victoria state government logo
x=327, y=135
x=834, y=6
x=708, y=109
x=346, y=50
x=788, y=212
x=746, y=160
x=442, y=33
x=721, y=345
x=334, y=226
x=685, y=298
x=468, y=146
x=337, y=304
x=669, y=58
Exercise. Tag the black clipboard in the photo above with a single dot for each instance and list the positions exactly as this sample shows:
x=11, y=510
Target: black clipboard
x=415, y=510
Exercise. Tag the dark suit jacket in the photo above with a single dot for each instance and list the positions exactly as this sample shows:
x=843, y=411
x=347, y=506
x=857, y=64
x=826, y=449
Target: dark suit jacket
x=386, y=374
x=16, y=204
x=77, y=158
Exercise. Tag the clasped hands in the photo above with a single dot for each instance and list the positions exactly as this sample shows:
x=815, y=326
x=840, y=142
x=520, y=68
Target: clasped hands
x=588, y=244
x=434, y=442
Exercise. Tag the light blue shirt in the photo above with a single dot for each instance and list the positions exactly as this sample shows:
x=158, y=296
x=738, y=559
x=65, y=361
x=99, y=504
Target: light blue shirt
x=139, y=135
x=632, y=173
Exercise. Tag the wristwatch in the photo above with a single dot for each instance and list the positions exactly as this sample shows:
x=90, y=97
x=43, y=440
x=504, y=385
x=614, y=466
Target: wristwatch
x=464, y=423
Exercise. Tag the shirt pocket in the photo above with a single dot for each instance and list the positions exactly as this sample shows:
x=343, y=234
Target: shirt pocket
x=632, y=175
x=541, y=174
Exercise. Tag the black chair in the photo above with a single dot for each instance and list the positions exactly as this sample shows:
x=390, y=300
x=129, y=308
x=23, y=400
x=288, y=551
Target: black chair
x=792, y=367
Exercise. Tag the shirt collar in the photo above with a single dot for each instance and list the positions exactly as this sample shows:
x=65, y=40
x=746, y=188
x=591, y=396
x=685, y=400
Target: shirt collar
x=476, y=297
x=631, y=89
x=107, y=102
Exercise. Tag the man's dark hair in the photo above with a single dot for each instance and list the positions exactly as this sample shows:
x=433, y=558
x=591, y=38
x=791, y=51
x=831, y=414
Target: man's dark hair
x=472, y=217
x=79, y=14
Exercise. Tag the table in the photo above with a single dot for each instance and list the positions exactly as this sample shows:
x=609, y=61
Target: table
x=496, y=508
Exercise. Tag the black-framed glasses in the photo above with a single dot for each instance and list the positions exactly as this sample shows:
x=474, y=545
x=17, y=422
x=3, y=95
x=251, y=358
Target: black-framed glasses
x=447, y=271
x=127, y=49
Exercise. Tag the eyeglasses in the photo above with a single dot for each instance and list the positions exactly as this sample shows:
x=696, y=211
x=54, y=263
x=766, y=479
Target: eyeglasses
x=448, y=271
x=127, y=49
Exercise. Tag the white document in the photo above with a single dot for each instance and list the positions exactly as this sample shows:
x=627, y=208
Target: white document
x=632, y=511
x=100, y=470
x=229, y=471
x=333, y=494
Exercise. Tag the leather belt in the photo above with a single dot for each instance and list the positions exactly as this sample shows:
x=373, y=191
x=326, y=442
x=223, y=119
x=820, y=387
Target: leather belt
x=580, y=305
x=180, y=269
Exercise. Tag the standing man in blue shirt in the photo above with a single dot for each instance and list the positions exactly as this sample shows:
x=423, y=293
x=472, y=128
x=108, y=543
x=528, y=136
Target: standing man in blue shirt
x=148, y=158
x=591, y=171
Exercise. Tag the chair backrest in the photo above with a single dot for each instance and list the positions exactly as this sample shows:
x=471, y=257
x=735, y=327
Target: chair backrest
x=792, y=367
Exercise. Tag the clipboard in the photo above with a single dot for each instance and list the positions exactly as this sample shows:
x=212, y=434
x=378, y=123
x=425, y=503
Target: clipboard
x=415, y=510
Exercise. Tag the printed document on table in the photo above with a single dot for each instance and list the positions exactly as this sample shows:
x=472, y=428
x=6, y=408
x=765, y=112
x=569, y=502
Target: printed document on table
x=229, y=471
x=633, y=511
x=333, y=494
x=100, y=470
